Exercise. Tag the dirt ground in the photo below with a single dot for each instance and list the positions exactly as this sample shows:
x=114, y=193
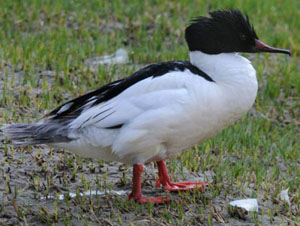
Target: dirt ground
x=32, y=180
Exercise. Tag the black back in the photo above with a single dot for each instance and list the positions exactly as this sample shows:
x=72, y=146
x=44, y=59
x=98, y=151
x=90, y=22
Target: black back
x=225, y=31
x=111, y=90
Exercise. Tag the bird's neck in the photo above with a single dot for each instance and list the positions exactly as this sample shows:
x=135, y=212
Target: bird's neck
x=235, y=80
x=224, y=67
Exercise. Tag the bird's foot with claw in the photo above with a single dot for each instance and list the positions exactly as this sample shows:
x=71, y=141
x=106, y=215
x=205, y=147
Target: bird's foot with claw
x=181, y=186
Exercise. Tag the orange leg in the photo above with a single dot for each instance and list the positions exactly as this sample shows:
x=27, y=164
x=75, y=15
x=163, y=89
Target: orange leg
x=136, y=193
x=165, y=180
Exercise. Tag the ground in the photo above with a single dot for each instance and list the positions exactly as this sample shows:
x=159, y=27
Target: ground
x=45, y=55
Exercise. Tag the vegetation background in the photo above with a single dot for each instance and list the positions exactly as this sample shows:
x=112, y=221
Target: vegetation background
x=44, y=50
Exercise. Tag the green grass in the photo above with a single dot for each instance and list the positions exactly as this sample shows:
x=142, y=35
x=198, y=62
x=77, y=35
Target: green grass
x=257, y=157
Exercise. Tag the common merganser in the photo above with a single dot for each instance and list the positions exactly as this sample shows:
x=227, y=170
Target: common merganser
x=162, y=109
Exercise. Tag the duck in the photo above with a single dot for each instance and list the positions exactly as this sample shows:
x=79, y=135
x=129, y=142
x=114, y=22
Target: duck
x=162, y=109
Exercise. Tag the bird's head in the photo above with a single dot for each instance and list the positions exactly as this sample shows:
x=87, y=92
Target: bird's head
x=225, y=32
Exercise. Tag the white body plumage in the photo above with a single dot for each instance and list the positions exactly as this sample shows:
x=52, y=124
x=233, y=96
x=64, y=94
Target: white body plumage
x=164, y=115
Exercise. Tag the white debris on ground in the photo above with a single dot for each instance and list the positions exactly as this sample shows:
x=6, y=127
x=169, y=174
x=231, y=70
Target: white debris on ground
x=247, y=204
x=87, y=193
x=284, y=196
x=119, y=57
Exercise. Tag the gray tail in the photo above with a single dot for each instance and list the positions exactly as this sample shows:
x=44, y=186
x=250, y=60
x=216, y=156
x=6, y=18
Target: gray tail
x=35, y=133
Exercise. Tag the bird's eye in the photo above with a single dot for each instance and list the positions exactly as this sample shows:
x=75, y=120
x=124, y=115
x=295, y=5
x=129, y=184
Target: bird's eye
x=243, y=37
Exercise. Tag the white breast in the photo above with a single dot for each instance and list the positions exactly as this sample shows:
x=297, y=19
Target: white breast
x=234, y=92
